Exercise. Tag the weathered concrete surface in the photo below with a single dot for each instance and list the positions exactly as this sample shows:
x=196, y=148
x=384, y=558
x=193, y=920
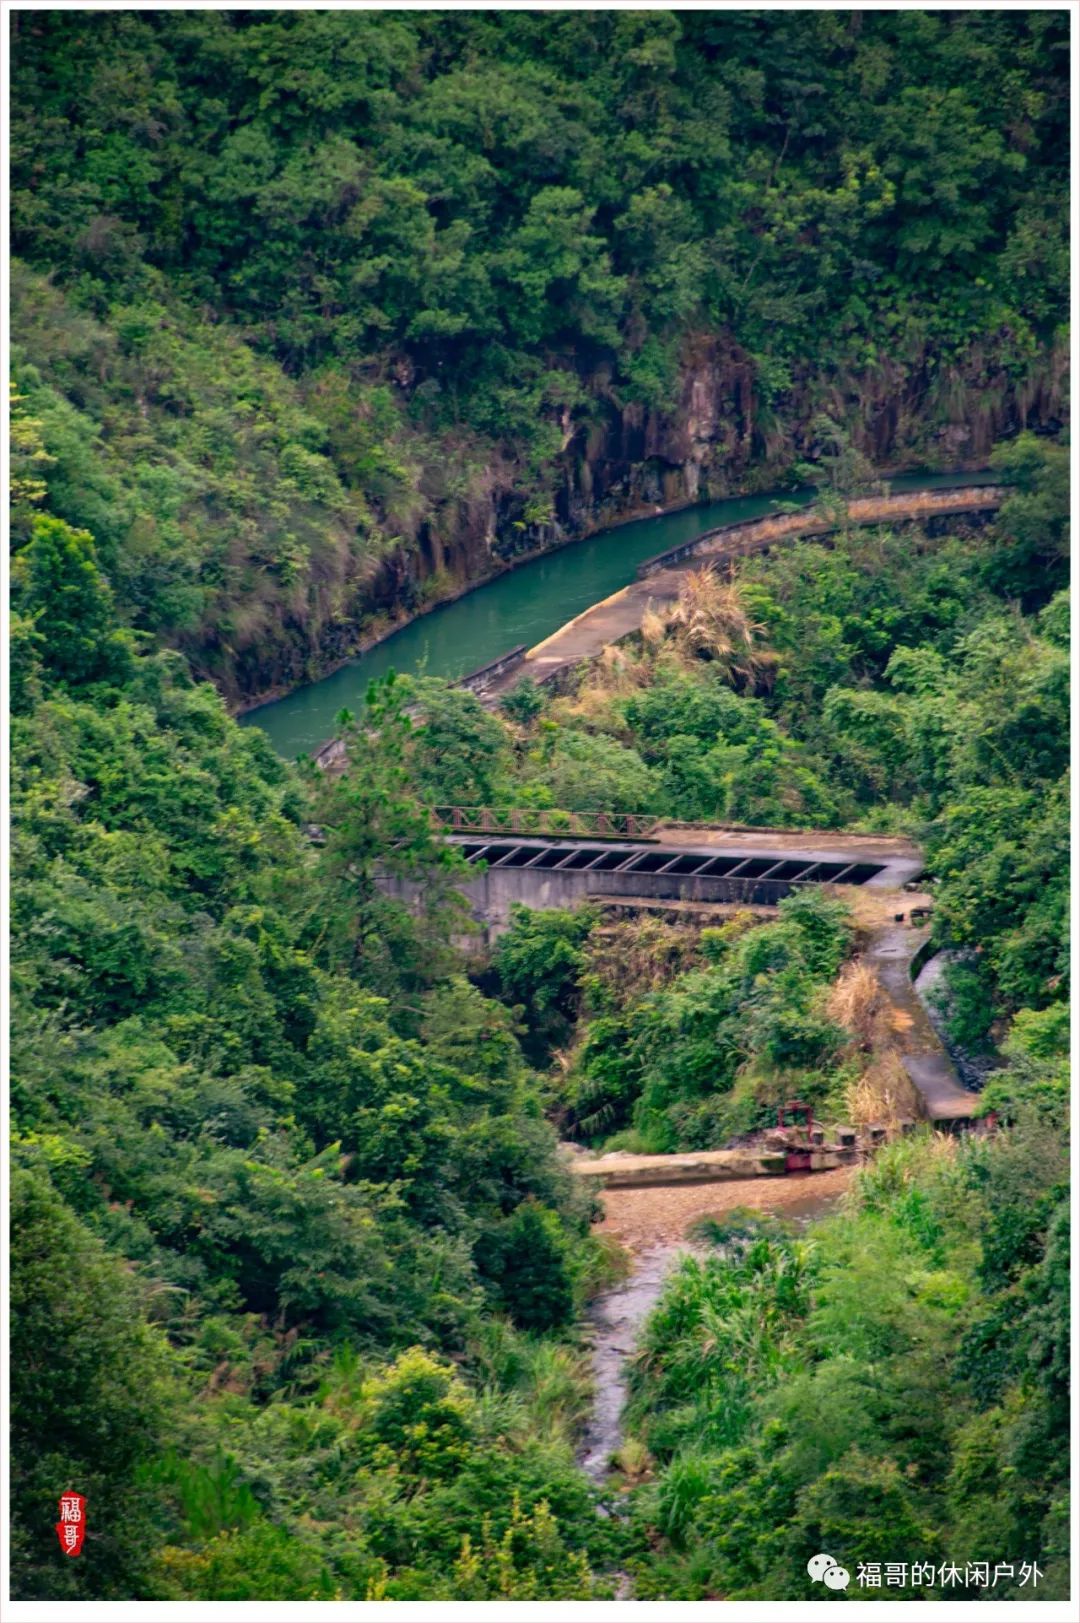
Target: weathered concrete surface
x=892, y=850
x=702, y=1166
x=891, y=952
x=493, y=893
x=480, y=680
x=900, y=860
x=619, y=615
x=773, y=863
x=620, y=1171
x=739, y=540
x=752, y=868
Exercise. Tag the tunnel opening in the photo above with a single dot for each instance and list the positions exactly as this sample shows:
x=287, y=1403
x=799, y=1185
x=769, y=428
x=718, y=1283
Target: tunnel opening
x=793, y=870
x=860, y=872
x=582, y=858
x=689, y=862
x=716, y=867
x=606, y=861
x=496, y=854
x=755, y=867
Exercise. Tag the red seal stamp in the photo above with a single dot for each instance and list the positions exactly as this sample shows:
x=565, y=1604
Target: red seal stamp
x=71, y=1527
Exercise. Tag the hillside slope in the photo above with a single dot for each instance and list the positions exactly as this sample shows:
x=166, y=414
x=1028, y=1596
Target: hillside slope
x=326, y=311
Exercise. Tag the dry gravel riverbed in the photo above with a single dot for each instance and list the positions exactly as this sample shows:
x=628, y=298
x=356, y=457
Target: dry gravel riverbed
x=651, y=1224
x=641, y=1219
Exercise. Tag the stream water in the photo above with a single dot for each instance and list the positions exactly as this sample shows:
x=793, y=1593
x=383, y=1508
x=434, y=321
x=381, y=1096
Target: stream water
x=524, y=605
x=616, y=1318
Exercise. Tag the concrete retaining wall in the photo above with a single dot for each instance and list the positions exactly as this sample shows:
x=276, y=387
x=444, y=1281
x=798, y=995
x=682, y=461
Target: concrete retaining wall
x=492, y=894
x=480, y=680
x=704, y=1166
x=331, y=756
x=737, y=540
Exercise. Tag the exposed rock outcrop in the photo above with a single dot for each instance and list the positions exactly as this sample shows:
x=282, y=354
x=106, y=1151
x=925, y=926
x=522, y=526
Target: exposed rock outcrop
x=722, y=434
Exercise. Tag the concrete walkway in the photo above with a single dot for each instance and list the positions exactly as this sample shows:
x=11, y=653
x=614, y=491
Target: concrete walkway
x=621, y=614
x=620, y=1170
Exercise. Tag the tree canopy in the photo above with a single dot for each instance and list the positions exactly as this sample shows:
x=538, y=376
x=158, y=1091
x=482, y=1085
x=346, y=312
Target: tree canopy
x=316, y=306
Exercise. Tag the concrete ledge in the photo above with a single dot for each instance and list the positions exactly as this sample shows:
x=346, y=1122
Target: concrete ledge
x=705, y=1166
x=734, y=540
x=479, y=680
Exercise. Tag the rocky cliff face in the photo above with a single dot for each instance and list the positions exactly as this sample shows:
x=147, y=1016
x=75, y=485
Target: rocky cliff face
x=721, y=436
x=639, y=459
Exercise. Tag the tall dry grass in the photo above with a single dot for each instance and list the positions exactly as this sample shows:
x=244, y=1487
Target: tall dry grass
x=857, y=1002
x=710, y=619
x=653, y=626
x=884, y=1094
x=617, y=672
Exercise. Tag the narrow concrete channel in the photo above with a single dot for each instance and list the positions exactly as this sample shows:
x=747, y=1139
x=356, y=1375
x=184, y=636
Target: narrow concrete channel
x=892, y=953
x=527, y=605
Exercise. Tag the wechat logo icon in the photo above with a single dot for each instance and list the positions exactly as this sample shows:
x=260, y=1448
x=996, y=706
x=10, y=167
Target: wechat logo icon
x=823, y=1569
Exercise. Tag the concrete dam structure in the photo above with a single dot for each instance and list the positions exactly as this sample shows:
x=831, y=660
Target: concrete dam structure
x=691, y=870
x=752, y=868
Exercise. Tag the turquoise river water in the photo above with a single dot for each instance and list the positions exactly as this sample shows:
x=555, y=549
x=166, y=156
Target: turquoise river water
x=523, y=605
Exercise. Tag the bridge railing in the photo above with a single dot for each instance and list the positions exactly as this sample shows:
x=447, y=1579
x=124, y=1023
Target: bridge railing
x=544, y=820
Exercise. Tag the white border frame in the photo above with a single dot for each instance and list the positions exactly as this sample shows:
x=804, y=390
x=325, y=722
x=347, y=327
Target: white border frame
x=557, y=1611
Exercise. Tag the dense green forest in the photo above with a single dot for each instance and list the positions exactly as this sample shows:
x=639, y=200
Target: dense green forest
x=325, y=312
x=288, y=1210
x=298, y=1270
x=895, y=1387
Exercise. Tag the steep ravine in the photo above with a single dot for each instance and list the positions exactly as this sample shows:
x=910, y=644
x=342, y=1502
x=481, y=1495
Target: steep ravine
x=616, y=1316
x=653, y=1221
x=720, y=436
x=574, y=588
